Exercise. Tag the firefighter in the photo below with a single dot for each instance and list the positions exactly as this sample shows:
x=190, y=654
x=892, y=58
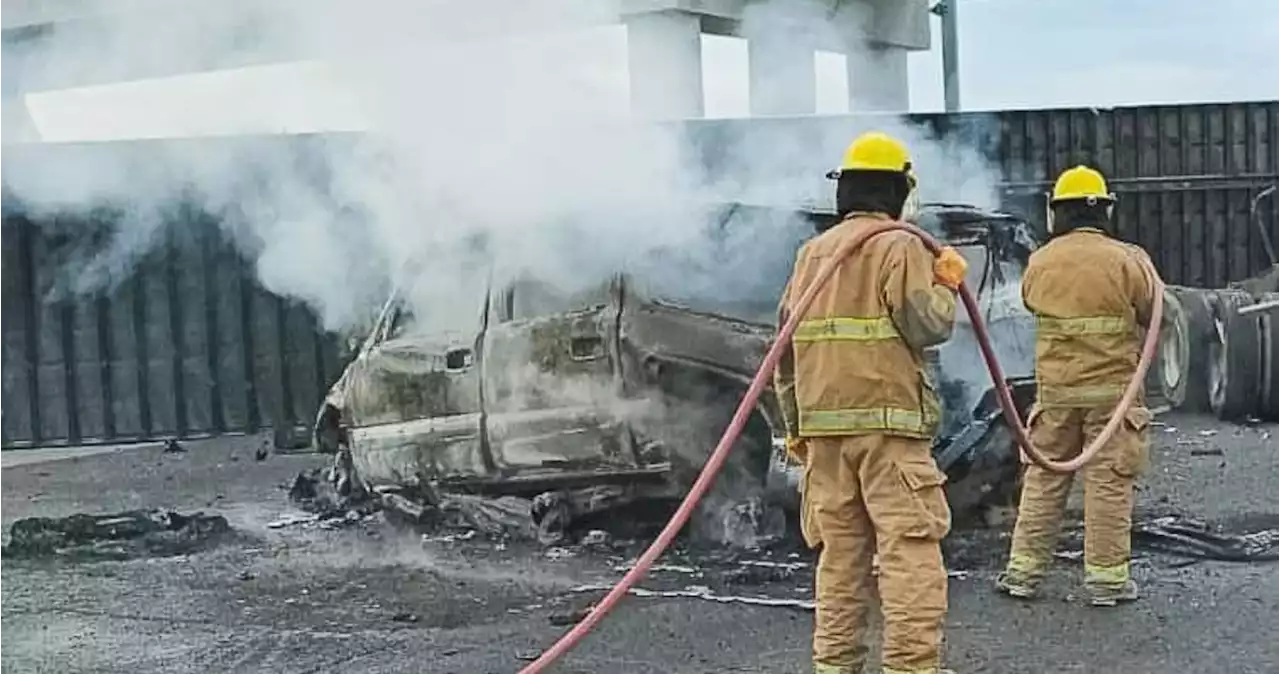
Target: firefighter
x=1092, y=297
x=861, y=413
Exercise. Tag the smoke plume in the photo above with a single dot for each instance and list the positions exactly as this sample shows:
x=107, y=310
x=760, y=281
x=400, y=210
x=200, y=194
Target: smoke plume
x=494, y=150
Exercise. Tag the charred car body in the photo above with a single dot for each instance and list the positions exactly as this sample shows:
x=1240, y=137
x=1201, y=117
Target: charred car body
x=603, y=398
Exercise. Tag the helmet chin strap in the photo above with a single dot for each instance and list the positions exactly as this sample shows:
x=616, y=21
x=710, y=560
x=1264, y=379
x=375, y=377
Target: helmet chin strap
x=1048, y=214
x=911, y=206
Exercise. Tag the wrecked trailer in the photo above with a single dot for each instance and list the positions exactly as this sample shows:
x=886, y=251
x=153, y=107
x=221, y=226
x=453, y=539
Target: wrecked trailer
x=595, y=400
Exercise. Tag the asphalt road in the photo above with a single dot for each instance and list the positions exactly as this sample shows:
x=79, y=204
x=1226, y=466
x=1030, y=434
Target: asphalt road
x=375, y=598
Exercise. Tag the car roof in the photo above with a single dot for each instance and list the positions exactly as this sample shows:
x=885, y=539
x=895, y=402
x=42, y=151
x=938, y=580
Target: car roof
x=957, y=223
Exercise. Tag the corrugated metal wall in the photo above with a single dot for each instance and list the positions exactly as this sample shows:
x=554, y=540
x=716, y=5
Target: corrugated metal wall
x=188, y=346
x=1186, y=177
x=191, y=345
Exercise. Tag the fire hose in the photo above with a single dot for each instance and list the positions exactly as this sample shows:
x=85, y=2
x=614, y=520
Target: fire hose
x=761, y=380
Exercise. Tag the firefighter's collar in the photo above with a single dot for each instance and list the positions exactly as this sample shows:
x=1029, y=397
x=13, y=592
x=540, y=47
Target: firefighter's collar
x=1086, y=230
x=872, y=215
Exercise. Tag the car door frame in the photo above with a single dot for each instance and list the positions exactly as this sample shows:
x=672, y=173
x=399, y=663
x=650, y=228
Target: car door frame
x=409, y=451
x=534, y=441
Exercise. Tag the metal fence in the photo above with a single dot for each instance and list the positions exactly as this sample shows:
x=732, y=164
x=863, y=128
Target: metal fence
x=191, y=345
x=1187, y=178
x=1186, y=175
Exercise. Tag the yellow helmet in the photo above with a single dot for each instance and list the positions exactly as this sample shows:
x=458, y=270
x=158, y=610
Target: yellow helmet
x=1081, y=182
x=876, y=151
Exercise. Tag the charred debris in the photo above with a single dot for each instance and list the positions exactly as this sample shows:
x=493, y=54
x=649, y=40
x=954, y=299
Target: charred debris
x=115, y=536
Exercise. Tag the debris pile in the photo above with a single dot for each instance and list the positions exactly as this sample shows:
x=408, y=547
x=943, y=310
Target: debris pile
x=334, y=498
x=1194, y=539
x=1186, y=538
x=505, y=517
x=125, y=535
x=318, y=493
x=587, y=517
x=553, y=518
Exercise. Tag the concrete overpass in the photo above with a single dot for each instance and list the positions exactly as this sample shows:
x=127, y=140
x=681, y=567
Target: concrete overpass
x=58, y=44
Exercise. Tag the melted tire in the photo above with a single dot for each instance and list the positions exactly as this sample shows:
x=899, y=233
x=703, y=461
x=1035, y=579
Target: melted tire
x=1166, y=381
x=1200, y=333
x=1234, y=358
x=1269, y=368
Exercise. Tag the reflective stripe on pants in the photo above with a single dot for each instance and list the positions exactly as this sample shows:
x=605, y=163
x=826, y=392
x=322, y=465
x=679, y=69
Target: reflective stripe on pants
x=814, y=423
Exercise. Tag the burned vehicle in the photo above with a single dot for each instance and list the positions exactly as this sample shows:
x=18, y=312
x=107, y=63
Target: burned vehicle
x=591, y=401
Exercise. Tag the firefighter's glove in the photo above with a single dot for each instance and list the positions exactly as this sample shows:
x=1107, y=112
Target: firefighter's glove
x=949, y=268
x=797, y=449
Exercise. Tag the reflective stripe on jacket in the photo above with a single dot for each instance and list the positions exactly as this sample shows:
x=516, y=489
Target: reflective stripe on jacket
x=1090, y=295
x=855, y=366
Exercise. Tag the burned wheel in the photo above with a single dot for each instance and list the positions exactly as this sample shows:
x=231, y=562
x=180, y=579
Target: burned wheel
x=1234, y=357
x=1269, y=368
x=697, y=408
x=1199, y=335
x=1166, y=381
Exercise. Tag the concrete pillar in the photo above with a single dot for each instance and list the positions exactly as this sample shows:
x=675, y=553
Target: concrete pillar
x=16, y=125
x=951, y=55
x=878, y=79
x=664, y=60
x=782, y=77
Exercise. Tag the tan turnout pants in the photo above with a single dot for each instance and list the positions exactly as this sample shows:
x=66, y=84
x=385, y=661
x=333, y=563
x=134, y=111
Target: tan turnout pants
x=864, y=495
x=1062, y=433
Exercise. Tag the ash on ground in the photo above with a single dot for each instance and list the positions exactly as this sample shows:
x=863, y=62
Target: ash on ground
x=125, y=535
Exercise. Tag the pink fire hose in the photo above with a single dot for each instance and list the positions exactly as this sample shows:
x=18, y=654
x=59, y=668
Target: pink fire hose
x=716, y=461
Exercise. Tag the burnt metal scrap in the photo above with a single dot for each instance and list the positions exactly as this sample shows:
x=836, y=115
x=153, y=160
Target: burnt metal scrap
x=335, y=500
x=588, y=402
x=325, y=494
x=1192, y=539
x=505, y=517
x=123, y=535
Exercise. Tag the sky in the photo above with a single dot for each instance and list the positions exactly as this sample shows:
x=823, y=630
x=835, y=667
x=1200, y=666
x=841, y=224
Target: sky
x=1054, y=53
x=1013, y=54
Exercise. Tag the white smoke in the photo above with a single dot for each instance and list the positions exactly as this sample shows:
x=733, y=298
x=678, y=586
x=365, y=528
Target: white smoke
x=492, y=151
